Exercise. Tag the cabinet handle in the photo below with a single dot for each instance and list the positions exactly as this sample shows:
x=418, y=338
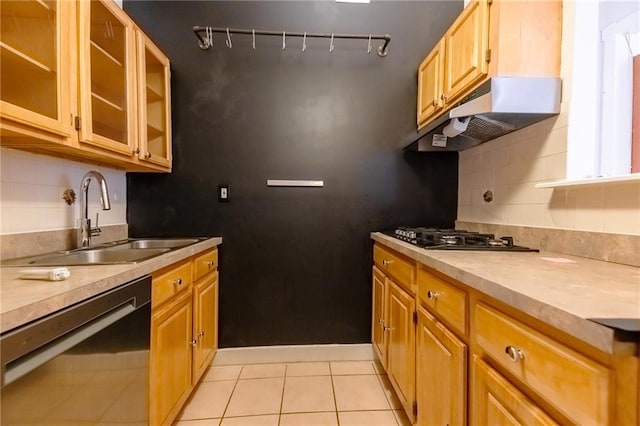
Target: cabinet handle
x=194, y=342
x=178, y=282
x=514, y=353
x=443, y=97
x=386, y=262
x=147, y=155
x=137, y=151
x=201, y=334
x=380, y=321
x=432, y=295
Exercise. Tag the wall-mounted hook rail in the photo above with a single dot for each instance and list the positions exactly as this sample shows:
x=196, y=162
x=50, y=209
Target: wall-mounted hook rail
x=207, y=41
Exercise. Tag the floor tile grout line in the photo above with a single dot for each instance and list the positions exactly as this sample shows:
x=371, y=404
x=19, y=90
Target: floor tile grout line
x=226, y=407
x=333, y=390
x=284, y=384
x=385, y=394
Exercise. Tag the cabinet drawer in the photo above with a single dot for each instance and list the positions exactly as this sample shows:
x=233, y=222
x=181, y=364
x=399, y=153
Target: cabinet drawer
x=446, y=300
x=572, y=383
x=205, y=263
x=400, y=268
x=497, y=402
x=171, y=282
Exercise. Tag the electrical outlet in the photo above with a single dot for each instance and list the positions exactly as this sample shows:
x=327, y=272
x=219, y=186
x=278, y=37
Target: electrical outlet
x=223, y=193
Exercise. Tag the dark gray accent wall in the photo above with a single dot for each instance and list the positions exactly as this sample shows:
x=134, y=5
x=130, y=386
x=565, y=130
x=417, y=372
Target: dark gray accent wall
x=295, y=262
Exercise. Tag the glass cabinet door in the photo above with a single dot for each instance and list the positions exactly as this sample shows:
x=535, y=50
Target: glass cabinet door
x=107, y=77
x=34, y=65
x=154, y=103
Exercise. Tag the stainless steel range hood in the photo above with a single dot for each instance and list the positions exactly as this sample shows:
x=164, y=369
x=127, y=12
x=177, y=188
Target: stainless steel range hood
x=497, y=107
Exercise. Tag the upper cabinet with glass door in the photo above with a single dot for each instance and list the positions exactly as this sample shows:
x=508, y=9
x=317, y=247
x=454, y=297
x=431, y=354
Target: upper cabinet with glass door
x=34, y=70
x=154, y=103
x=107, y=77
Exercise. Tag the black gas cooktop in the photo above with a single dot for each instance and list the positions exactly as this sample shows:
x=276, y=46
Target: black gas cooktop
x=453, y=239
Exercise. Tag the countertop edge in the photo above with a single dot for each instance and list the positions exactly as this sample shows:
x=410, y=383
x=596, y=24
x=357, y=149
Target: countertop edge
x=121, y=274
x=596, y=335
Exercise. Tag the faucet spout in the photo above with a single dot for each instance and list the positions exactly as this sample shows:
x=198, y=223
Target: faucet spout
x=85, y=231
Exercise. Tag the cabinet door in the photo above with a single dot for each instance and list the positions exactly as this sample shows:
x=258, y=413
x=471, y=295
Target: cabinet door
x=441, y=374
x=170, y=368
x=378, y=334
x=35, y=43
x=154, y=103
x=205, y=324
x=495, y=401
x=430, y=84
x=401, y=350
x=467, y=41
x=107, y=77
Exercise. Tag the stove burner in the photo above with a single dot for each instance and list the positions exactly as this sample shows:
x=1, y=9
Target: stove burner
x=451, y=239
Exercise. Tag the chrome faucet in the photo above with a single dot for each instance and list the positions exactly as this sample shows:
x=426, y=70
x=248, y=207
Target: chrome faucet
x=85, y=231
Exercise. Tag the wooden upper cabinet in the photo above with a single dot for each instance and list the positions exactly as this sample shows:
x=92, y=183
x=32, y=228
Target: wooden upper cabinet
x=430, y=84
x=154, y=102
x=35, y=78
x=107, y=77
x=466, y=44
x=490, y=38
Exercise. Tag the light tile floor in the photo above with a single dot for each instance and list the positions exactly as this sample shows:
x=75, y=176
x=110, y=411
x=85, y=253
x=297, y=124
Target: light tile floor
x=345, y=393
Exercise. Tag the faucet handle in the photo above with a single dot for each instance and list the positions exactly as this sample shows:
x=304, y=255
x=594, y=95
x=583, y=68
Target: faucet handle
x=95, y=231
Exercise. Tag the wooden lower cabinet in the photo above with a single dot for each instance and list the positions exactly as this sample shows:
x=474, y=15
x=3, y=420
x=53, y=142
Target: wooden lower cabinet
x=441, y=374
x=170, y=369
x=495, y=401
x=401, y=350
x=184, y=333
x=205, y=324
x=378, y=333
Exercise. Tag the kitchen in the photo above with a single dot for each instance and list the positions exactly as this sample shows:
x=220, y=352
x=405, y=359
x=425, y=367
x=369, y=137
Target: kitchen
x=241, y=116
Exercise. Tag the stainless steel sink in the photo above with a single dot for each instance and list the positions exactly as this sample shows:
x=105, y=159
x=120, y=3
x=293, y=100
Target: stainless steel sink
x=103, y=256
x=151, y=243
x=119, y=252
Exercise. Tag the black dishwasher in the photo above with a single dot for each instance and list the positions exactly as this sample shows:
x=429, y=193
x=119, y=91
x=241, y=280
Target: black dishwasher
x=85, y=364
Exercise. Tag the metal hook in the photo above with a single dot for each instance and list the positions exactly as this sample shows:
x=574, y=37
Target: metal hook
x=253, y=43
x=209, y=40
x=228, y=42
x=331, y=45
x=304, y=41
x=284, y=43
x=369, y=46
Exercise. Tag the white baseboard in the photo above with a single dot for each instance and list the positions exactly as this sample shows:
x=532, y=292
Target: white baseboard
x=294, y=353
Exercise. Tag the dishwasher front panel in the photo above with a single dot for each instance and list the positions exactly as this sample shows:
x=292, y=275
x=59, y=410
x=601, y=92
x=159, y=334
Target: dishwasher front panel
x=95, y=373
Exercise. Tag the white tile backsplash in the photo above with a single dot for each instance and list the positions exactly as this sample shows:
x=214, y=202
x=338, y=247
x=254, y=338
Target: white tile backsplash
x=31, y=188
x=512, y=164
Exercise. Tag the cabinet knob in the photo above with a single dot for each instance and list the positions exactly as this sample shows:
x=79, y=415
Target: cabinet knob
x=432, y=295
x=514, y=353
x=147, y=155
x=380, y=321
x=443, y=97
x=435, y=102
x=136, y=151
x=178, y=282
x=194, y=342
x=201, y=334
x=385, y=328
x=386, y=262
x=210, y=263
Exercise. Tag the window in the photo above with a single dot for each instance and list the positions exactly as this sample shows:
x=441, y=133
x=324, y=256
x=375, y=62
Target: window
x=602, y=105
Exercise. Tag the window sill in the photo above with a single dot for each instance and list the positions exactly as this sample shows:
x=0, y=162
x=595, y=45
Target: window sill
x=594, y=182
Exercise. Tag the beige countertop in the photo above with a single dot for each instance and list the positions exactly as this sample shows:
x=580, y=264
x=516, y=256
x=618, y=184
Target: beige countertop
x=22, y=301
x=563, y=295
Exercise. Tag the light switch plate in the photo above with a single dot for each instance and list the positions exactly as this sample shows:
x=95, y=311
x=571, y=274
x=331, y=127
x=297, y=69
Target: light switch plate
x=223, y=193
